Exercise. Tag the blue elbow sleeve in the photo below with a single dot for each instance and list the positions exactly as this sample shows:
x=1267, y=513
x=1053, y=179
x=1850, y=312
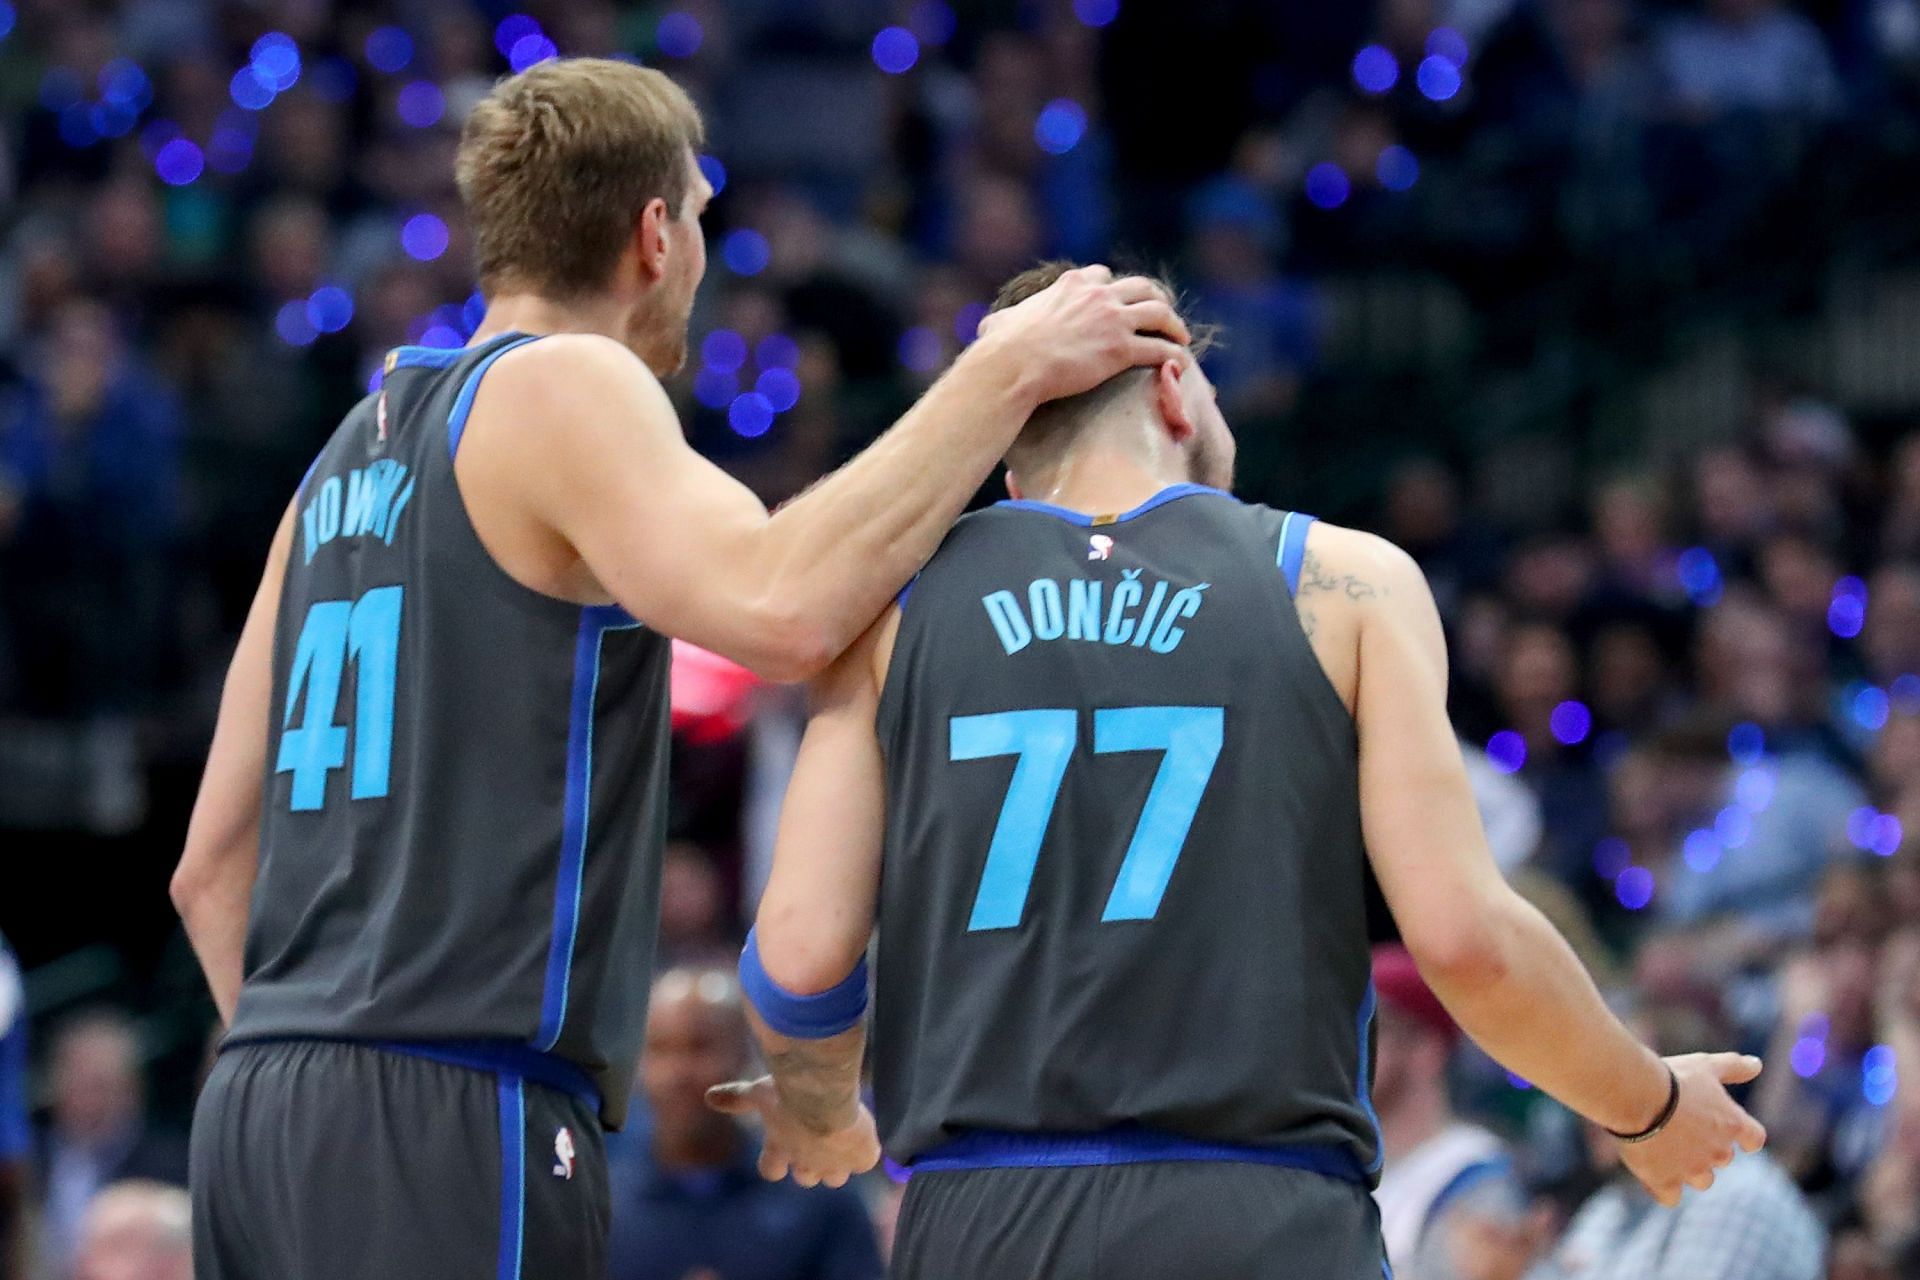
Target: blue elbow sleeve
x=797, y=1017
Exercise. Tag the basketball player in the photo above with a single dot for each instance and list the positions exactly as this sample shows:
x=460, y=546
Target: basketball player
x=423, y=870
x=1109, y=776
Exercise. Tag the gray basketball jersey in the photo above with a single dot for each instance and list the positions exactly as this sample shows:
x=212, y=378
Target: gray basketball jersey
x=466, y=780
x=1124, y=877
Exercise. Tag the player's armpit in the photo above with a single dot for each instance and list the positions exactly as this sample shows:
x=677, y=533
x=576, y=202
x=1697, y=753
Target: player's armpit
x=213, y=884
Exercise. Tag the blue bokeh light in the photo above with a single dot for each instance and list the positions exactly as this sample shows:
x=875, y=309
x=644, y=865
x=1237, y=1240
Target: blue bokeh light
x=745, y=252
x=1870, y=707
x=1570, y=723
x=179, y=162
x=291, y=323
x=1610, y=857
x=679, y=34
x=1328, y=185
x=389, y=49
x=1732, y=826
x=723, y=351
x=967, y=320
x=919, y=349
x=1445, y=42
x=1860, y=826
x=715, y=388
x=230, y=149
x=124, y=83
x=7, y=19
x=276, y=60
x=777, y=351
x=1507, y=750
x=1060, y=126
x=715, y=173
x=77, y=127
x=514, y=28
x=424, y=237
x=750, y=415
x=1884, y=836
x=444, y=336
x=1375, y=69
x=531, y=51
x=1846, y=616
x=1397, y=169
x=248, y=90
x=473, y=310
x=1634, y=888
x=1438, y=78
x=1096, y=13
x=1699, y=575
x=420, y=103
x=895, y=50
x=60, y=88
x=1746, y=742
x=330, y=309
x=932, y=22
x=780, y=386
x=1701, y=850
x=1808, y=1056
x=1879, y=1075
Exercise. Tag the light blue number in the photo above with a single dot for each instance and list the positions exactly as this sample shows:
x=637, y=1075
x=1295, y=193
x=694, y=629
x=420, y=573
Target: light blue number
x=1191, y=738
x=369, y=629
x=1043, y=742
x=373, y=638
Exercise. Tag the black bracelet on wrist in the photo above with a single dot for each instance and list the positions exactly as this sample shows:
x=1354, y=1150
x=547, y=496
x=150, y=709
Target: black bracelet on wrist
x=1660, y=1121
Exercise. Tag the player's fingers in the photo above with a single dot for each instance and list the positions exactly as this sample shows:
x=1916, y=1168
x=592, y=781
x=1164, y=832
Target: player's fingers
x=804, y=1177
x=1751, y=1135
x=773, y=1163
x=1733, y=1068
x=1139, y=289
x=1093, y=273
x=1701, y=1181
x=735, y=1098
x=1156, y=316
x=1142, y=350
x=1667, y=1194
x=838, y=1178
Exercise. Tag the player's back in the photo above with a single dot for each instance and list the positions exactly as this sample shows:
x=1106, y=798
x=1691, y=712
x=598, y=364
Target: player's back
x=461, y=836
x=1123, y=883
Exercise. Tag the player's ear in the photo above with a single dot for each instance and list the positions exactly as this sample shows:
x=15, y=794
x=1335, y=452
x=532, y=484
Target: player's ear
x=650, y=239
x=1171, y=402
x=1014, y=486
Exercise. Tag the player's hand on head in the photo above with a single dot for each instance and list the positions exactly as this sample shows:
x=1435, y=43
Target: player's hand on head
x=791, y=1147
x=1707, y=1130
x=1086, y=327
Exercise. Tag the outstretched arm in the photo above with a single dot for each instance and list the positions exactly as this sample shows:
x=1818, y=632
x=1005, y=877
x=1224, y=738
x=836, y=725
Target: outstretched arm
x=1500, y=968
x=814, y=924
x=213, y=884
x=691, y=552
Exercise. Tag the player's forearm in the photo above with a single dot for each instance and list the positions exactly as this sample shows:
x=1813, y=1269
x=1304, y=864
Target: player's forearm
x=818, y=1080
x=1528, y=1001
x=213, y=896
x=835, y=556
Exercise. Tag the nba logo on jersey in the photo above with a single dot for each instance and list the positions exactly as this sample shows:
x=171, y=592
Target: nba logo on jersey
x=1099, y=547
x=563, y=1154
x=380, y=418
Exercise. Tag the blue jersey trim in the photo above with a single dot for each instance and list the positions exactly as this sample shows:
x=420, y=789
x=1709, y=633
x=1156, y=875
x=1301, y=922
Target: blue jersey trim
x=595, y=622
x=427, y=357
x=990, y=1149
x=814, y=1017
x=1363, y=1084
x=906, y=591
x=1170, y=494
x=503, y=1057
x=16, y=1133
x=1293, y=548
x=513, y=1176
x=463, y=403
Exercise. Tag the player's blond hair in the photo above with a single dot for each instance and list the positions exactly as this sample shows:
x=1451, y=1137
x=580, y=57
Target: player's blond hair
x=556, y=164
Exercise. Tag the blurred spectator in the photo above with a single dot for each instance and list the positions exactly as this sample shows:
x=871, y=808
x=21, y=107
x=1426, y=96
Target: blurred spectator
x=693, y=924
x=16, y=1138
x=1748, y=55
x=136, y=1230
x=1752, y=1224
x=1446, y=1182
x=688, y=1199
x=97, y=1132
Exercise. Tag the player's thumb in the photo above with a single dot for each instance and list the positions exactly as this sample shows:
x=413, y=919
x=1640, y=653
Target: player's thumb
x=735, y=1098
x=1733, y=1068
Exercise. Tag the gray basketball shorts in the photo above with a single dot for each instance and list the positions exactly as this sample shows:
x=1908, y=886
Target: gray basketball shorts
x=324, y=1160
x=1165, y=1220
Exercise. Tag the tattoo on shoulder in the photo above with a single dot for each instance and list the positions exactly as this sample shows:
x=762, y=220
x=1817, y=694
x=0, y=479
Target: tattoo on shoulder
x=1314, y=578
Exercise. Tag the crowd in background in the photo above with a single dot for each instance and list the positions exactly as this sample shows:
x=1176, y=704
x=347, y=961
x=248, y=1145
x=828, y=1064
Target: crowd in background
x=1686, y=674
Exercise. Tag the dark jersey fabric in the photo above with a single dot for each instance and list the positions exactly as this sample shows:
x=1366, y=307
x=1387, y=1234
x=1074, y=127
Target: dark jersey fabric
x=466, y=787
x=1124, y=878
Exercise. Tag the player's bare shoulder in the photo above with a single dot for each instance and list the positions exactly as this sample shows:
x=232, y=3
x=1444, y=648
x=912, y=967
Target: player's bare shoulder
x=1351, y=580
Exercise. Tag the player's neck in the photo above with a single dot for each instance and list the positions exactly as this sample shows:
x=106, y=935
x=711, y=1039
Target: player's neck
x=1105, y=480
x=530, y=313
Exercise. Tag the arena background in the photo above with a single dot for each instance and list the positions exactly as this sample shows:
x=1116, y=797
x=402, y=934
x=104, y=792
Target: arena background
x=1607, y=310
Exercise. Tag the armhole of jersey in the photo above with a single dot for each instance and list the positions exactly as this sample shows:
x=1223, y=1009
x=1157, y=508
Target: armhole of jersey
x=1293, y=548
x=463, y=403
x=901, y=599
